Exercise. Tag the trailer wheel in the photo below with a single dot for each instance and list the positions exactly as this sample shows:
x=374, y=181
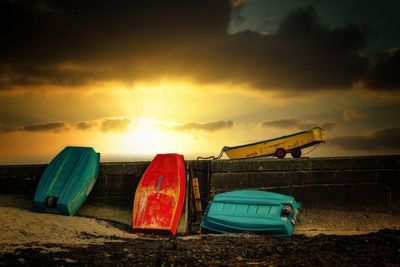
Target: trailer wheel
x=280, y=153
x=296, y=153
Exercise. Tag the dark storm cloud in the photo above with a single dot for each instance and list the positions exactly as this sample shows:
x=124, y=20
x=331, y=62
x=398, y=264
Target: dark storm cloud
x=210, y=126
x=303, y=54
x=133, y=39
x=42, y=127
x=237, y=8
x=73, y=29
x=385, y=74
x=130, y=41
x=238, y=3
x=299, y=124
x=387, y=139
x=41, y=75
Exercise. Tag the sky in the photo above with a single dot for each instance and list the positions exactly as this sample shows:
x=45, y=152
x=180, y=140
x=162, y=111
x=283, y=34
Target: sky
x=137, y=78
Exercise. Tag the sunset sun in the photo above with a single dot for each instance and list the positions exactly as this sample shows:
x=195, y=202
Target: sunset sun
x=144, y=139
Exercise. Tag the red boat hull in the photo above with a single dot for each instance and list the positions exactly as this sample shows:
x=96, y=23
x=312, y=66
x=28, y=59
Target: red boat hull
x=160, y=195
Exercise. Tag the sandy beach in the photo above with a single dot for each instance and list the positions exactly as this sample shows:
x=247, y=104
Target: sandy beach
x=28, y=238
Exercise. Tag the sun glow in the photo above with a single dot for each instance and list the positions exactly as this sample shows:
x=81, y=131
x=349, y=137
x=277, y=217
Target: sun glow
x=147, y=138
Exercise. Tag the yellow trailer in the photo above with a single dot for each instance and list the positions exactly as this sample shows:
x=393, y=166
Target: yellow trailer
x=278, y=146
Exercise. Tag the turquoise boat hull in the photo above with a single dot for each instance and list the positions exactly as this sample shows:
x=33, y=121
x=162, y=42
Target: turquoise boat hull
x=67, y=181
x=253, y=211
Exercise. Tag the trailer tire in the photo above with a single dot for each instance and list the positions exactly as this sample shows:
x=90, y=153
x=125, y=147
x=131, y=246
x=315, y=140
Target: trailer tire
x=280, y=153
x=296, y=153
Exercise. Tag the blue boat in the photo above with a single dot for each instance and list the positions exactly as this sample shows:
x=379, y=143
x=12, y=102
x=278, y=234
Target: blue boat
x=67, y=181
x=253, y=211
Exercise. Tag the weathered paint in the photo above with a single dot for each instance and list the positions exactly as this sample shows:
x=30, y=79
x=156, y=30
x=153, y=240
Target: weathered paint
x=269, y=147
x=160, y=195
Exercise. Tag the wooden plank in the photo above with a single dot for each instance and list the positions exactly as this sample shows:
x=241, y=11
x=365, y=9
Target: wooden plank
x=183, y=226
x=197, y=198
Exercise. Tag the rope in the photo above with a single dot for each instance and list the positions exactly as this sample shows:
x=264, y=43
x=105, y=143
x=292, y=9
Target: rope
x=308, y=152
x=212, y=157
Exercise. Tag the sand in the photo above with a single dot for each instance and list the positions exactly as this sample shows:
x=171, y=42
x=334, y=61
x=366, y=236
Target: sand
x=20, y=227
x=337, y=222
x=101, y=236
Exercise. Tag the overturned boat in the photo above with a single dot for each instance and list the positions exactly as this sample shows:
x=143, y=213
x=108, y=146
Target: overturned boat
x=253, y=211
x=160, y=195
x=67, y=181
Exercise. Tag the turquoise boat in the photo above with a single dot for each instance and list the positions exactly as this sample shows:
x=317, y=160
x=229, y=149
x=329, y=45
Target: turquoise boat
x=253, y=211
x=67, y=181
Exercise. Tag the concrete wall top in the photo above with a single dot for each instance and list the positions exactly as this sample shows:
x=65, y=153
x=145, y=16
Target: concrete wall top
x=306, y=164
x=263, y=164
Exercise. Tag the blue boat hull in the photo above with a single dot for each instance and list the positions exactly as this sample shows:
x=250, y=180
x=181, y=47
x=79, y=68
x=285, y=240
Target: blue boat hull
x=67, y=181
x=253, y=211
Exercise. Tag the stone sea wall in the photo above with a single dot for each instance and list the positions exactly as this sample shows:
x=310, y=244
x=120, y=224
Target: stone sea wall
x=350, y=183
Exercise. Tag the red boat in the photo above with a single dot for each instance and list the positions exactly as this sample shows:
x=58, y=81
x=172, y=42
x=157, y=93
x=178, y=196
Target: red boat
x=160, y=195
